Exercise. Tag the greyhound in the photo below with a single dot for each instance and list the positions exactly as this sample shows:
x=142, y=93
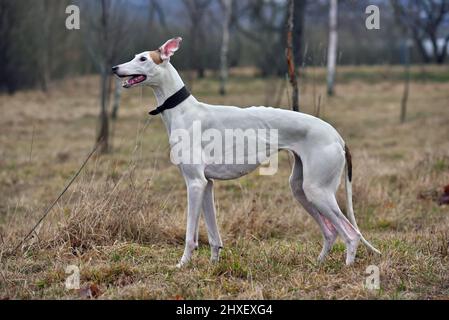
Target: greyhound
x=320, y=154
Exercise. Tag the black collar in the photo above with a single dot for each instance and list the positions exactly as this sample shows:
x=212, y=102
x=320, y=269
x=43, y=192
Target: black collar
x=172, y=101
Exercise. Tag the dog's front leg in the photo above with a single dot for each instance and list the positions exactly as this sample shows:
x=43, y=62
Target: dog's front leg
x=195, y=193
x=211, y=222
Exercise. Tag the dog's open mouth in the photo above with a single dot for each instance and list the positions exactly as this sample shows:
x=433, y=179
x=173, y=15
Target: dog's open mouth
x=133, y=80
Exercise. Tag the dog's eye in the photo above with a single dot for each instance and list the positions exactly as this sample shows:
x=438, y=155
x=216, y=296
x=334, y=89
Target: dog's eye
x=143, y=59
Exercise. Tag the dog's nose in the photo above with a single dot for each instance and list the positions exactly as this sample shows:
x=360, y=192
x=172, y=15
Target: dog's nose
x=114, y=69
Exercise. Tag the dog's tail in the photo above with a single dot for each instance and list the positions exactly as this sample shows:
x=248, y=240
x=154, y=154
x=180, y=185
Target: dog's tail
x=349, y=208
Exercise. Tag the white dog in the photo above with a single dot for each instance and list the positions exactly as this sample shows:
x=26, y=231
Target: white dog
x=320, y=153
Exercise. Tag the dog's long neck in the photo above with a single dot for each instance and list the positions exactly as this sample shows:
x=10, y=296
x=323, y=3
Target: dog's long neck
x=171, y=83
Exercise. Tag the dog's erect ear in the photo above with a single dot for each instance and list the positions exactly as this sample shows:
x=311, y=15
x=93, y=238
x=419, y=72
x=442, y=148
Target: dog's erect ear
x=169, y=48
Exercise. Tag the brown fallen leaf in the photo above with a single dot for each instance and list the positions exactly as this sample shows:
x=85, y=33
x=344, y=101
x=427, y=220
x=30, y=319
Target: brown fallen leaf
x=446, y=190
x=444, y=199
x=90, y=291
x=389, y=205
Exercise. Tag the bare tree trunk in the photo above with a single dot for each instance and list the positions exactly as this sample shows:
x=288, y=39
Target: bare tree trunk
x=290, y=57
x=103, y=133
x=196, y=10
x=117, y=98
x=156, y=9
x=195, y=57
x=227, y=4
x=192, y=57
x=199, y=52
x=298, y=31
x=441, y=56
x=44, y=46
x=406, y=80
x=332, y=49
x=103, y=38
x=424, y=55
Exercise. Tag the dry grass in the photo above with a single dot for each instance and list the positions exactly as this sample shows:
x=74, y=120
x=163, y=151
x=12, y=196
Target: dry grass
x=123, y=221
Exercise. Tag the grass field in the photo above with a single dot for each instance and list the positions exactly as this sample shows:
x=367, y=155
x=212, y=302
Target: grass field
x=122, y=222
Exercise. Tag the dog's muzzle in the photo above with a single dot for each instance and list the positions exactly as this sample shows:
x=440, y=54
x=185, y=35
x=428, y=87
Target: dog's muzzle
x=133, y=79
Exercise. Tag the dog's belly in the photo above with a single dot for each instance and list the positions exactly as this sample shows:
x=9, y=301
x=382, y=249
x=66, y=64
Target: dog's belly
x=228, y=171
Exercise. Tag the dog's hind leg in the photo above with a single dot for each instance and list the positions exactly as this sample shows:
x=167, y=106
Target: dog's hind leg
x=211, y=221
x=328, y=230
x=327, y=204
x=322, y=173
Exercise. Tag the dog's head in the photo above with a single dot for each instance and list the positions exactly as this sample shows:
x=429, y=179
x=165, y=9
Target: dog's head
x=147, y=67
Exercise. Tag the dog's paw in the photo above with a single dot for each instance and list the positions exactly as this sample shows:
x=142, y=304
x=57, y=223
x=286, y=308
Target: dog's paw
x=214, y=260
x=215, y=253
x=182, y=263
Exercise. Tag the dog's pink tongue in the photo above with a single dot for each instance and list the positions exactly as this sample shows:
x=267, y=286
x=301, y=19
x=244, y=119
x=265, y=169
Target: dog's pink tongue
x=136, y=80
x=130, y=82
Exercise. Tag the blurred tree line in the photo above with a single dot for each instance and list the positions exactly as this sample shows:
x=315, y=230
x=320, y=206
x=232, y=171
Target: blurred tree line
x=36, y=48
